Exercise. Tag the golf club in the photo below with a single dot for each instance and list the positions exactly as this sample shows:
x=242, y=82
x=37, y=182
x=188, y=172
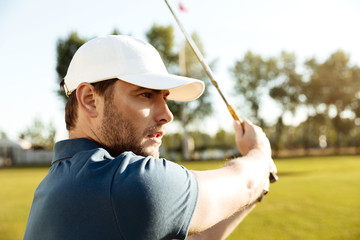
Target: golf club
x=273, y=177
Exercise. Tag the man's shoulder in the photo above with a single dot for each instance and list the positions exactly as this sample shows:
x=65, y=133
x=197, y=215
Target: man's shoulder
x=152, y=175
x=160, y=193
x=148, y=165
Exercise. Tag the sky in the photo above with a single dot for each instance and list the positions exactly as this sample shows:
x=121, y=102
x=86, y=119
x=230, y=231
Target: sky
x=30, y=29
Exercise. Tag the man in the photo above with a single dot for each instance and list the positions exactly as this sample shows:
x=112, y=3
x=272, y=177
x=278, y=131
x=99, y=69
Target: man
x=108, y=182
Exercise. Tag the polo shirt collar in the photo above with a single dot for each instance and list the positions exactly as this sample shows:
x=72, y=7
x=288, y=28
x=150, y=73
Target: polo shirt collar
x=68, y=148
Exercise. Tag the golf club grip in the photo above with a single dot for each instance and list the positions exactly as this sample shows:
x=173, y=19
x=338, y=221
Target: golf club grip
x=233, y=114
x=273, y=177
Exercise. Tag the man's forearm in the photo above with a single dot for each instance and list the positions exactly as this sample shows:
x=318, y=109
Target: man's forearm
x=225, y=191
x=224, y=228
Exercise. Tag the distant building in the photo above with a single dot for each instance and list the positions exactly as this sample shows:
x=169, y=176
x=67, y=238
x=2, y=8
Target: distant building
x=11, y=153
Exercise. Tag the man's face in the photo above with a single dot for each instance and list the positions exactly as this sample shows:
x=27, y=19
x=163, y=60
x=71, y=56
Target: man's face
x=134, y=120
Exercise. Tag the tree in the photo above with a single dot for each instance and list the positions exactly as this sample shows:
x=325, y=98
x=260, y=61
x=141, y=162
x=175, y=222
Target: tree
x=224, y=140
x=162, y=38
x=40, y=136
x=189, y=112
x=202, y=140
x=2, y=134
x=286, y=90
x=334, y=89
x=253, y=76
x=65, y=49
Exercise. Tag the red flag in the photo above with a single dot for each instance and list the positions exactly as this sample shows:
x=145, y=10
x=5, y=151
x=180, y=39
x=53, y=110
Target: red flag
x=182, y=8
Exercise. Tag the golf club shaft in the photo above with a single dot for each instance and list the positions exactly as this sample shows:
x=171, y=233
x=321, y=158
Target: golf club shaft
x=273, y=176
x=204, y=65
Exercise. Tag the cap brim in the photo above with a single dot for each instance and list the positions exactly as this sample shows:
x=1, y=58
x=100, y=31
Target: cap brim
x=181, y=88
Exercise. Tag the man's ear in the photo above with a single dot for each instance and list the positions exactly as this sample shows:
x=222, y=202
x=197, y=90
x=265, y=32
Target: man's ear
x=86, y=97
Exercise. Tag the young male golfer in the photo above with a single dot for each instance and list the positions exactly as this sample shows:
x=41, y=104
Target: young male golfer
x=107, y=180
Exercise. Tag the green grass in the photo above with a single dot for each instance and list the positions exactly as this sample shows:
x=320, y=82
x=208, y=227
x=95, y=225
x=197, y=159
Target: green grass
x=17, y=187
x=315, y=198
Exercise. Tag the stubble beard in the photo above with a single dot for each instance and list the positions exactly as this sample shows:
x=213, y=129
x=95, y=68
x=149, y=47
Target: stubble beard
x=120, y=135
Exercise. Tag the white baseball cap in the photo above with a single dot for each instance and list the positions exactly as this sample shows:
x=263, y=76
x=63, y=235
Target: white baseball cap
x=131, y=60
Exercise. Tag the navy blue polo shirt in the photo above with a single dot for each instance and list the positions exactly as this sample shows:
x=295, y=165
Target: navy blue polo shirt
x=88, y=194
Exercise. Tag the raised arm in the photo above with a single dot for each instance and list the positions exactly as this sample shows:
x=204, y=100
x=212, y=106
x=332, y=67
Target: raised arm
x=227, y=195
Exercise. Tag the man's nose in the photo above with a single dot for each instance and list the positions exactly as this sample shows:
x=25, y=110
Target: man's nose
x=164, y=115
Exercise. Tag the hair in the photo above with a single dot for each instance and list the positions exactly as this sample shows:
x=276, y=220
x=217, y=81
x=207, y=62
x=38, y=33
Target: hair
x=102, y=88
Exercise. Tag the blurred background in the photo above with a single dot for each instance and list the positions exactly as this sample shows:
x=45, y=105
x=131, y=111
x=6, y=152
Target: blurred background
x=291, y=67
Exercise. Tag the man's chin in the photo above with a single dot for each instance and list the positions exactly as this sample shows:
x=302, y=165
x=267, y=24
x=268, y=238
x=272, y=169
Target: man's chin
x=154, y=152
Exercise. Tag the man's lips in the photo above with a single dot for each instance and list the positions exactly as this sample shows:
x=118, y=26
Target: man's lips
x=156, y=136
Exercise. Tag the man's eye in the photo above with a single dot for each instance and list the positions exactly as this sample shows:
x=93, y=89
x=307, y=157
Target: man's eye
x=147, y=94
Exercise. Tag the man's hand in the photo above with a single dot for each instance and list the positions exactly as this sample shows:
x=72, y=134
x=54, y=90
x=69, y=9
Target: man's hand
x=249, y=137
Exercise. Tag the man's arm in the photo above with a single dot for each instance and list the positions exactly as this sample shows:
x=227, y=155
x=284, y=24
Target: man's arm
x=224, y=228
x=227, y=194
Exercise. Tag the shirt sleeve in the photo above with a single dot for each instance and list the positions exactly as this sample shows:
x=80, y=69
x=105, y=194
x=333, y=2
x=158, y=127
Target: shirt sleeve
x=154, y=199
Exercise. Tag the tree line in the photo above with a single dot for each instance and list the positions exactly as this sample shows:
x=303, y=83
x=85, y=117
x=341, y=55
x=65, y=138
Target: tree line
x=327, y=93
